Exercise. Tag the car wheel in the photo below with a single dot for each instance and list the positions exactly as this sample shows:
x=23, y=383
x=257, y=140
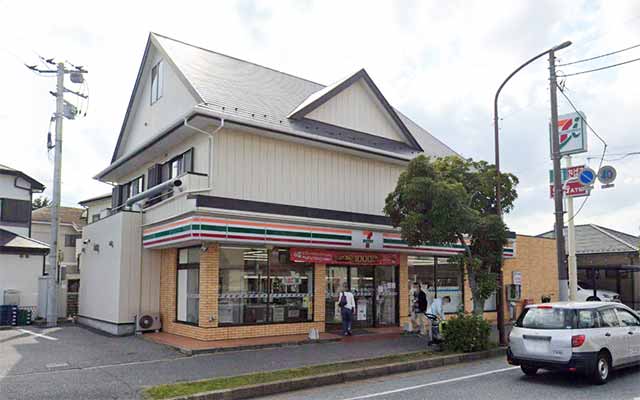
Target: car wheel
x=593, y=298
x=602, y=369
x=529, y=370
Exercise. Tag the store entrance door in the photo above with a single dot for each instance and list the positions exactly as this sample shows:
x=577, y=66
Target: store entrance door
x=375, y=292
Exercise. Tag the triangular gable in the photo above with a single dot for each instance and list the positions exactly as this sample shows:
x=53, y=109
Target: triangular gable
x=151, y=47
x=356, y=103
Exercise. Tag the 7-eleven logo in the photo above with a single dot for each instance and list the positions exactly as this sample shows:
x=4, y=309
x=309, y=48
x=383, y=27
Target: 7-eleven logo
x=569, y=128
x=368, y=238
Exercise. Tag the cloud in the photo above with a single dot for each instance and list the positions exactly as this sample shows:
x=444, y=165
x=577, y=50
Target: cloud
x=438, y=62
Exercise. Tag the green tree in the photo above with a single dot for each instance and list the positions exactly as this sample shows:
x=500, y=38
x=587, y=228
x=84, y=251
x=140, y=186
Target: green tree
x=40, y=202
x=449, y=200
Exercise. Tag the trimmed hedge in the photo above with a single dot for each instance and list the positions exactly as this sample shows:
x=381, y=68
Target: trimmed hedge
x=466, y=333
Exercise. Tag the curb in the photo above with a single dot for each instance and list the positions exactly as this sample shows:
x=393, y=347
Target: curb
x=192, y=352
x=271, y=388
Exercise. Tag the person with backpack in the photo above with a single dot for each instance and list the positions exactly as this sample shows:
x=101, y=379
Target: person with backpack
x=347, y=305
x=418, y=318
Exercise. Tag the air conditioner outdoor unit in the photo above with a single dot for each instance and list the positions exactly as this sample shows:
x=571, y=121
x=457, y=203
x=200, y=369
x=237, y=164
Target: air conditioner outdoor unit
x=148, y=322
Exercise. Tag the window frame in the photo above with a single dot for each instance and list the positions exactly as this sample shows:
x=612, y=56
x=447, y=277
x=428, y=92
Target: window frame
x=620, y=310
x=126, y=188
x=268, y=303
x=437, y=263
x=15, y=203
x=187, y=266
x=603, y=323
x=157, y=85
x=75, y=237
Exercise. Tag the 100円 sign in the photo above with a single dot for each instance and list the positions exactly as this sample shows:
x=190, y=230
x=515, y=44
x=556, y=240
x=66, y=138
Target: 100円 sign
x=572, y=134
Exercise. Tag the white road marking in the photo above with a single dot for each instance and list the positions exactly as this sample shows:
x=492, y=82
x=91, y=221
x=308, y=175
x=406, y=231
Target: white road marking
x=36, y=334
x=461, y=378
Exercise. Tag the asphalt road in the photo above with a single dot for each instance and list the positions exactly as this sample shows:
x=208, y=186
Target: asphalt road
x=488, y=379
x=74, y=363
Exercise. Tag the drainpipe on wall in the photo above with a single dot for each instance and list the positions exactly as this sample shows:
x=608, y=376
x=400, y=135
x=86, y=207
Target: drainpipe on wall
x=132, y=201
x=210, y=135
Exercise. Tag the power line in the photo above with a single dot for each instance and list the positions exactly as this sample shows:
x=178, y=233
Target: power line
x=604, y=150
x=599, y=69
x=600, y=56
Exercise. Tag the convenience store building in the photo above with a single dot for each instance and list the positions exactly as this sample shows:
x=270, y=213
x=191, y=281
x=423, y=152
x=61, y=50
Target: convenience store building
x=245, y=198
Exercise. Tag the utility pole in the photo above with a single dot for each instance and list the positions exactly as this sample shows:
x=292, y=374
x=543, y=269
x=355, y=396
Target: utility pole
x=496, y=131
x=571, y=241
x=52, y=270
x=563, y=282
x=51, y=313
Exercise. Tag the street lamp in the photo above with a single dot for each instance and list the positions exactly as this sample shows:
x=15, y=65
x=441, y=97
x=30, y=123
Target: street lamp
x=554, y=123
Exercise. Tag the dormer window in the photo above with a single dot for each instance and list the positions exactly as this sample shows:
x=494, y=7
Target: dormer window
x=157, y=78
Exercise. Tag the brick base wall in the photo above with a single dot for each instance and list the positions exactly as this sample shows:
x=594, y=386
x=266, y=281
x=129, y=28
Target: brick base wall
x=536, y=260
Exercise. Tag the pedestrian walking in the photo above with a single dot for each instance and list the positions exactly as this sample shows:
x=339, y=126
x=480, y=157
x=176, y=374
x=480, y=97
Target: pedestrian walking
x=418, y=318
x=347, y=306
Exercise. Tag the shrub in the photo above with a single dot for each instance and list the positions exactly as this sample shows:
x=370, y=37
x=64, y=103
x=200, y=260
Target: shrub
x=466, y=333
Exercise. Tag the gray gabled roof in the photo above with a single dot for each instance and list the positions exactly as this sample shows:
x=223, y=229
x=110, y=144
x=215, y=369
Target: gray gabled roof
x=595, y=239
x=262, y=97
x=13, y=243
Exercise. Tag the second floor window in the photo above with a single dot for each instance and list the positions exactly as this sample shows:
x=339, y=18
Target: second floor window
x=70, y=240
x=15, y=211
x=132, y=188
x=157, y=77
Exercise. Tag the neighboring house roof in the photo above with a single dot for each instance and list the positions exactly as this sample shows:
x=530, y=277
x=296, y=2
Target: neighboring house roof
x=595, y=239
x=257, y=96
x=68, y=215
x=96, y=198
x=36, y=186
x=13, y=243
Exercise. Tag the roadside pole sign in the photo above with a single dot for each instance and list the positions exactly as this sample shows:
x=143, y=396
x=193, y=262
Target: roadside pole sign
x=572, y=134
x=587, y=177
x=606, y=175
x=573, y=188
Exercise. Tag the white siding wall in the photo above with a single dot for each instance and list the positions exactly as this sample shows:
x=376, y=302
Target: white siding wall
x=357, y=107
x=96, y=207
x=199, y=142
x=253, y=167
x=21, y=273
x=9, y=191
x=175, y=102
x=110, y=288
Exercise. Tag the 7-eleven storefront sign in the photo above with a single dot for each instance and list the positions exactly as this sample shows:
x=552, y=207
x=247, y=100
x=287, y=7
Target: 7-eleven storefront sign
x=202, y=228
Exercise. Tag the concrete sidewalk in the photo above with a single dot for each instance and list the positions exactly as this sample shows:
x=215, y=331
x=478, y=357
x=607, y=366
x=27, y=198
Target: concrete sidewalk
x=190, y=346
x=97, y=369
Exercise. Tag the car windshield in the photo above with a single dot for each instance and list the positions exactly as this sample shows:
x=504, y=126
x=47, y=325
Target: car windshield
x=546, y=318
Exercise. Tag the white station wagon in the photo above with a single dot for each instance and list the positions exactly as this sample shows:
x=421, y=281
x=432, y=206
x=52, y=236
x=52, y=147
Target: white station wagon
x=586, y=337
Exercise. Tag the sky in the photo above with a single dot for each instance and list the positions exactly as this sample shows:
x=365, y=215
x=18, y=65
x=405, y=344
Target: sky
x=439, y=62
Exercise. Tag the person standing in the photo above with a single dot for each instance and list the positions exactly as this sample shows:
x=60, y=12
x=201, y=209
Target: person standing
x=418, y=318
x=347, y=305
x=437, y=309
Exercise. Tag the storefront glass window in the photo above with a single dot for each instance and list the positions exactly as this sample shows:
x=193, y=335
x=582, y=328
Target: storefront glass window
x=188, y=285
x=422, y=270
x=438, y=278
x=258, y=286
x=449, y=283
x=291, y=298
